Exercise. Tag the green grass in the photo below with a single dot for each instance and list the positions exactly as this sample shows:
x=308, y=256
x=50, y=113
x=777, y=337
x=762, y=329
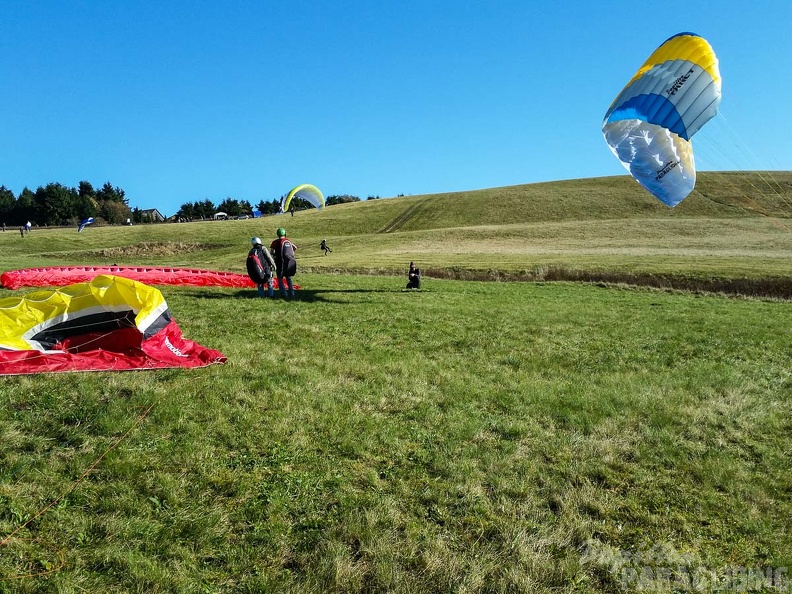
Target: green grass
x=734, y=226
x=471, y=437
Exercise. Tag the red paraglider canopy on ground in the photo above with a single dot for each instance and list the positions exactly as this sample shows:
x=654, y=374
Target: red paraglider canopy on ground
x=120, y=350
x=109, y=324
x=58, y=276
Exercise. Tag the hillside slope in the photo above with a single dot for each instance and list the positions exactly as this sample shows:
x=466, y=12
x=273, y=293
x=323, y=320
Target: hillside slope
x=718, y=195
x=734, y=225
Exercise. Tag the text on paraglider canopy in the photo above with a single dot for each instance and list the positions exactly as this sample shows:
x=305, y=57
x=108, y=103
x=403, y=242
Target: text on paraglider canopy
x=679, y=82
x=666, y=168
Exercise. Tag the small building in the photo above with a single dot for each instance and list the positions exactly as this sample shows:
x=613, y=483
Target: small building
x=151, y=215
x=220, y=216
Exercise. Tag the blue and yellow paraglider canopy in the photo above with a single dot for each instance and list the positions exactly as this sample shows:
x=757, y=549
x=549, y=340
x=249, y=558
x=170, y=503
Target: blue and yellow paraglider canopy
x=306, y=192
x=650, y=123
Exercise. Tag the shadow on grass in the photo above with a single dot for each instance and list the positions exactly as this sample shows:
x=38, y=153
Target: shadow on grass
x=301, y=295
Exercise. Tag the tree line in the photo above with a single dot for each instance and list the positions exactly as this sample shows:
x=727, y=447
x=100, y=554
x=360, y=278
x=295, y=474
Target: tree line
x=58, y=205
x=206, y=209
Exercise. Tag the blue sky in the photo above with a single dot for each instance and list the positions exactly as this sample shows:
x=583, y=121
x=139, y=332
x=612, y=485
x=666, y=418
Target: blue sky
x=177, y=101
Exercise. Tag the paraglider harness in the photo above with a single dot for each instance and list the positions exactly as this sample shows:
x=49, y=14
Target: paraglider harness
x=258, y=265
x=285, y=262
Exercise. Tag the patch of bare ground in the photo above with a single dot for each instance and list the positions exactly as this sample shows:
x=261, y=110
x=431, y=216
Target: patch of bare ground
x=776, y=288
x=771, y=287
x=143, y=249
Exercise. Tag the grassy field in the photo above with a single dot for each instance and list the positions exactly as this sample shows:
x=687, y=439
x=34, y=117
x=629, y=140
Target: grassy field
x=471, y=437
x=735, y=227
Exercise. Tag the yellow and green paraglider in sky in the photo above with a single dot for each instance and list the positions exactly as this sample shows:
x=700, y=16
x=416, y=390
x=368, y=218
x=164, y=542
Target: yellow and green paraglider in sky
x=650, y=123
x=306, y=192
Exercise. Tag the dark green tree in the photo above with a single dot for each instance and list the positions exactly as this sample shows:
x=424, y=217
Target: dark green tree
x=207, y=209
x=342, y=199
x=84, y=207
x=268, y=208
x=186, y=211
x=107, y=193
x=55, y=204
x=86, y=190
x=202, y=210
x=86, y=204
x=25, y=207
x=7, y=205
x=230, y=206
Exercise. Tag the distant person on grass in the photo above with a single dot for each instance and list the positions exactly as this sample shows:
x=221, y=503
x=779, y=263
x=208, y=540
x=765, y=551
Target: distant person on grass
x=413, y=277
x=261, y=267
x=325, y=247
x=285, y=262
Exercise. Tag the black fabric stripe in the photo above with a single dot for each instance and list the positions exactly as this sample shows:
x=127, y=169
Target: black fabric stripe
x=99, y=322
x=158, y=324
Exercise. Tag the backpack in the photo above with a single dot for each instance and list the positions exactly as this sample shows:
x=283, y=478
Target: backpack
x=258, y=268
x=288, y=261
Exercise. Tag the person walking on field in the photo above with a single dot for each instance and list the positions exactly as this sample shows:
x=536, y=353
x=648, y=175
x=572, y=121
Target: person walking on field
x=325, y=247
x=261, y=267
x=283, y=250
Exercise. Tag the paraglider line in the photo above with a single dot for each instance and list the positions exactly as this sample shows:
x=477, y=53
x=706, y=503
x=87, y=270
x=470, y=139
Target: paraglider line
x=76, y=483
x=41, y=573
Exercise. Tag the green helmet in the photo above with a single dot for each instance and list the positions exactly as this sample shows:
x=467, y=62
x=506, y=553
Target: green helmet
x=281, y=232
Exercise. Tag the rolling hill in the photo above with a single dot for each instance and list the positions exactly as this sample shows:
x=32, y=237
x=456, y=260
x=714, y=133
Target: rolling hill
x=735, y=230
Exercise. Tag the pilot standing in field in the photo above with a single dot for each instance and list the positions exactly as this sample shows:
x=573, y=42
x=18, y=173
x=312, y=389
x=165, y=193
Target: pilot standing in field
x=260, y=268
x=283, y=250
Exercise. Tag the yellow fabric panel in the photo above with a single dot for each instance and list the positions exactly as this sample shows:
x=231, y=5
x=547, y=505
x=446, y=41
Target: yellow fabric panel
x=146, y=300
x=20, y=315
x=683, y=47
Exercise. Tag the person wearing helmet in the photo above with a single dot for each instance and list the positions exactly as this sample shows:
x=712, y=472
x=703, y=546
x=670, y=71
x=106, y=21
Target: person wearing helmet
x=285, y=263
x=260, y=267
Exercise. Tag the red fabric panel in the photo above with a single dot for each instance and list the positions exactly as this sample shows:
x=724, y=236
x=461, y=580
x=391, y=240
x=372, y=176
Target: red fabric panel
x=60, y=276
x=120, y=350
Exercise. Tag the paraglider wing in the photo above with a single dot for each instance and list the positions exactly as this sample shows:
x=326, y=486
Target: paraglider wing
x=59, y=276
x=306, y=192
x=650, y=123
x=109, y=324
x=84, y=223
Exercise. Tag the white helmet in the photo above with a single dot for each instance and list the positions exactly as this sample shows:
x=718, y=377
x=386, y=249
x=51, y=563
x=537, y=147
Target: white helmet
x=256, y=241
